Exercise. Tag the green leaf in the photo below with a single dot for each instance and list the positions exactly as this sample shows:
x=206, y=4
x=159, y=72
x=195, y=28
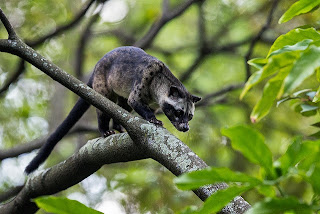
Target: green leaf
x=267, y=190
x=317, y=96
x=61, y=205
x=258, y=62
x=221, y=198
x=300, y=46
x=318, y=74
x=270, y=93
x=195, y=179
x=313, y=177
x=275, y=64
x=316, y=124
x=302, y=68
x=251, y=144
x=253, y=80
x=279, y=205
x=300, y=7
x=296, y=152
x=306, y=108
x=285, y=99
x=303, y=91
x=293, y=37
x=262, y=108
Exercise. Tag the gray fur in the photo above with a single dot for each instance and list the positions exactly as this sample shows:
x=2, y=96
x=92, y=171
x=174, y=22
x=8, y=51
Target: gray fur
x=143, y=80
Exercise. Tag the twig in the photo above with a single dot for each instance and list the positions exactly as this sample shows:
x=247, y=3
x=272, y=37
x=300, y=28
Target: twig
x=81, y=47
x=63, y=27
x=12, y=36
x=258, y=37
x=11, y=33
x=144, y=140
x=206, y=99
x=166, y=16
x=36, y=144
x=210, y=51
x=14, y=77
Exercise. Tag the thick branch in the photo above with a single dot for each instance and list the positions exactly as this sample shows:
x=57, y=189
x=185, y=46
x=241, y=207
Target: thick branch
x=146, y=136
x=161, y=146
x=37, y=42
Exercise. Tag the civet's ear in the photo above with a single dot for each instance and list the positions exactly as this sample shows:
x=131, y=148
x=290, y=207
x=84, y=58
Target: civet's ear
x=195, y=98
x=175, y=92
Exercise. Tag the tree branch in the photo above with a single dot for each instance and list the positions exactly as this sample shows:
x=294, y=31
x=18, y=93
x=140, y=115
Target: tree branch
x=166, y=16
x=63, y=27
x=11, y=33
x=14, y=77
x=149, y=141
x=81, y=47
x=161, y=146
x=206, y=100
x=38, y=41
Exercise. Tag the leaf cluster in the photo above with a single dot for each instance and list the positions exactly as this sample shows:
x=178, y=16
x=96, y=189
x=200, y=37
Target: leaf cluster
x=301, y=160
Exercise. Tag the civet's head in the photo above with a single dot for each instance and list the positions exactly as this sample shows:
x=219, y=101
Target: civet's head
x=178, y=106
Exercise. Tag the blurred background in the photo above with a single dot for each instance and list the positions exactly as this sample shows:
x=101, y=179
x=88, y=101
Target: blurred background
x=205, y=44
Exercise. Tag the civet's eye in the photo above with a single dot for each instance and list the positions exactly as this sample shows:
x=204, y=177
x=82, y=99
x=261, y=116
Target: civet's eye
x=178, y=113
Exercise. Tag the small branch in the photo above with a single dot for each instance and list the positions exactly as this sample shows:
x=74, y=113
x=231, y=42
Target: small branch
x=210, y=51
x=166, y=16
x=36, y=144
x=14, y=77
x=81, y=47
x=148, y=140
x=63, y=27
x=206, y=99
x=258, y=37
x=37, y=42
x=11, y=33
x=126, y=38
x=196, y=63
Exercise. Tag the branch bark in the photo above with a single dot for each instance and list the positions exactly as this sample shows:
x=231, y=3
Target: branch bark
x=12, y=35
x=161, y=146
x=148, y=141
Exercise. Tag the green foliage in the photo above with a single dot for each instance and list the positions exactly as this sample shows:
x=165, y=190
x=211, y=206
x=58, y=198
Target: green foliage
x=300, y=160
x=292, y=58
x=59, y=205
x=280, y=205
x=300, y=7
x=221, y=198
x=251, y=145
x=211, y=175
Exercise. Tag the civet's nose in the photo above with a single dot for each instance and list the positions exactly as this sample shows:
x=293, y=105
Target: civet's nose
x=185, y=127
